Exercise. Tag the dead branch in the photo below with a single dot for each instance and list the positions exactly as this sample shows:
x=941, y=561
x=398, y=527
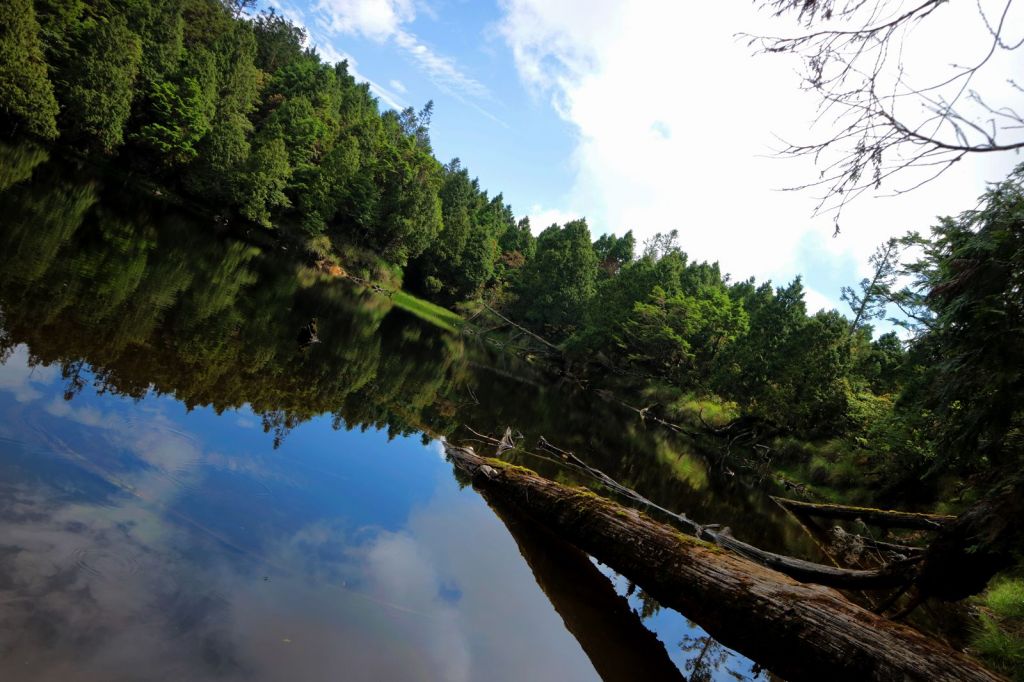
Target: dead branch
x=885, y=518
x=803, y=632
x=884, y=123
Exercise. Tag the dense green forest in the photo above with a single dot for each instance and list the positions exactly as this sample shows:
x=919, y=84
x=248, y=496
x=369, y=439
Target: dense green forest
x=230, y=108
x=210, y=101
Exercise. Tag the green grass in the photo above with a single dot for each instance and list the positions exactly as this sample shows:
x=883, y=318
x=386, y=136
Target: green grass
x=711, y=409
x=833, y=470
x=683, y=465
x=427, y=311
x=999, y=638
x=1006, y=599
x=1003, y=651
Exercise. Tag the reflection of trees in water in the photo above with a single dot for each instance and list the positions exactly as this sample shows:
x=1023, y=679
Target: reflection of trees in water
x=706, y=658
x=148, y=299
x=151, y=303
x=709, y=657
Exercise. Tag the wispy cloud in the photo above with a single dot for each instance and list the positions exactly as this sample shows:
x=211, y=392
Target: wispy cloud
x=386, y=21
x=377, y=20
x=442, y=70
x=328, y=52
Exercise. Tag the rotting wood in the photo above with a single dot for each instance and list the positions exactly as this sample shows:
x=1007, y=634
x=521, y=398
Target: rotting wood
x=800, y=631
x=885, y=518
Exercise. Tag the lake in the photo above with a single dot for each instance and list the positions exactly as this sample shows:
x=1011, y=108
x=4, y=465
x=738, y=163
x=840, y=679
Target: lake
x=193, y=486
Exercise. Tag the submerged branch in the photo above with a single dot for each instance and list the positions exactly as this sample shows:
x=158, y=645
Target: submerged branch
x=885, y=518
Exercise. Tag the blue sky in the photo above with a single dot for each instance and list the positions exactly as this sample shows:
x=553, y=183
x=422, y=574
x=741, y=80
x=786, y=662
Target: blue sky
x=646, y=115
x=513, y=141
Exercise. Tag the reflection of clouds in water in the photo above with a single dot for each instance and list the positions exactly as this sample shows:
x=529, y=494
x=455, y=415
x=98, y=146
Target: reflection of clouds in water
x=175, y=460
x=121, y=590
x=22, y=380
x=400, y=570
x=510, y=628
x=449, y=596
x=84, y=414
x=108, y=593
x=81, y=597
x=171, y=456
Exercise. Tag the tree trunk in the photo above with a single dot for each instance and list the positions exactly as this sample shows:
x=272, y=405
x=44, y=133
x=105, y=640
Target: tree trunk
x=802, y=632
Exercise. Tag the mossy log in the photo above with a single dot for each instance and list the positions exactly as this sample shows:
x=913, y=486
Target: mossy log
x=885, y=518
x=800, y=631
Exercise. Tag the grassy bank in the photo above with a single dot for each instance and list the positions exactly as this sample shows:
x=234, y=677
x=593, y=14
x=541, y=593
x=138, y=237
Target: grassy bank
x=999, y=635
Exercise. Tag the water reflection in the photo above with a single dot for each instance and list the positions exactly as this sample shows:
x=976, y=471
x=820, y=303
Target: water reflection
x=191, y=491
x=151, y=552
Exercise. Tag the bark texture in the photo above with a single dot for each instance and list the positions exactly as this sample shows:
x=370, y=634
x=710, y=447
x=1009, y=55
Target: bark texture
x=800, y=631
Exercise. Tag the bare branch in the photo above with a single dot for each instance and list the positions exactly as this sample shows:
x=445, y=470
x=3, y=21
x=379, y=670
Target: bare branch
x=866, y=95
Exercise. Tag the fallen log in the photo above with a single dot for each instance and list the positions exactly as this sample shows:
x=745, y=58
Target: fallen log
x=800, y=631
x=884, y=518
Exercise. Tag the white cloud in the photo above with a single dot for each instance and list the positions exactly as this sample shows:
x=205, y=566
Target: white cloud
x=815, y=301
x=375, y=19
x=397, y=86
x=23, y=379
x=675, y=121
x=541, y=217
x=442, y=70
x=384, y=21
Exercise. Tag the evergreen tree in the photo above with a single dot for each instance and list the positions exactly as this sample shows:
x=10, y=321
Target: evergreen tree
x=26, y=94
x=265, y=178
x=557, y=284
x=98, y=81
x=970, y=362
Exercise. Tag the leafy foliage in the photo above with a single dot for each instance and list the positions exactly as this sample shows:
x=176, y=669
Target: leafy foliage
x=556, y=285
x=26, y=94
x=970, y=362
x=238, y=111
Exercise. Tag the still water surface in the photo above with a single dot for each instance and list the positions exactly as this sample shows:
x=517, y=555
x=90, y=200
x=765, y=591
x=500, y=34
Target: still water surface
x=189, y=491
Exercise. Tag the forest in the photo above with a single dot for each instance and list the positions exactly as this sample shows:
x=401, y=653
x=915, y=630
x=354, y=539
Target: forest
x=227, y=108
